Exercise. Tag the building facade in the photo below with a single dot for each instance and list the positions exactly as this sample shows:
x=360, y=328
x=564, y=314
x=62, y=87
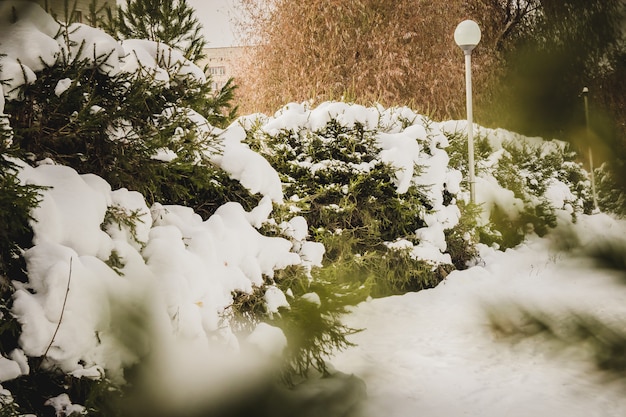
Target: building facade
x=221, y=64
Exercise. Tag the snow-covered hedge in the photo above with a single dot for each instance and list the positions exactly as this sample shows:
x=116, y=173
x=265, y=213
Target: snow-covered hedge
x=114, y=279
x=396, y=178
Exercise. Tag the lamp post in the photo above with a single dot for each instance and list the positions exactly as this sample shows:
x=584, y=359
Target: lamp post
x=593, y=181
x=467, y=35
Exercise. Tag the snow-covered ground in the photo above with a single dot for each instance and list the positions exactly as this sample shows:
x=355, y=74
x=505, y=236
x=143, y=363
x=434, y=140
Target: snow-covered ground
x=436, y=353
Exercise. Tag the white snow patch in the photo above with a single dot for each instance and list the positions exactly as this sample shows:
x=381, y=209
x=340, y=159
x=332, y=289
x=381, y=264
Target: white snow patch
x=270, y=340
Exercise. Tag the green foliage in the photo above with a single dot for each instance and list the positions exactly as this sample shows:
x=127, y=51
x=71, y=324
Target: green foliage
x=116, y=126
x=335, y=178
x=314, y=331
x=100, y=397
x=458, y=152
x=170, y=22
x=380, y=271
x=461, y=240
x=122, y=217
x=16, y=204
x=6, y=131
x=115, y=262
x=318, y=297
x=528, y=169
x=398, y=272
x=217, y=107
x=610, y=190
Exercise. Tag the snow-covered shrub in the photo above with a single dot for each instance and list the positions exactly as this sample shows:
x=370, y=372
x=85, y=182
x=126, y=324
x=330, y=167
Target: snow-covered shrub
x=124, y=128
x=152, y=287
x=610, y=190
x=136, y=113
x=17, y=201
x=150, y=284
x=522, y=182
x=368, y=181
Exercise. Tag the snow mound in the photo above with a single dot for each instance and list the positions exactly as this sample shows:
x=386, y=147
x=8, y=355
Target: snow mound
x=104, y=294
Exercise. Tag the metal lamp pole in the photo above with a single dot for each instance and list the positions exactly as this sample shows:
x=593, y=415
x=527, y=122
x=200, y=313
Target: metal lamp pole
x=467, y=36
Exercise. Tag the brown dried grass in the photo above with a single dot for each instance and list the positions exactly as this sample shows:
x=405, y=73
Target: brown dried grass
x=363, y=51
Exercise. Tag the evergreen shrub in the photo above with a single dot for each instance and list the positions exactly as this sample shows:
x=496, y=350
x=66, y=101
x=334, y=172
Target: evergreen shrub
x=117, y=126
x=312, y=323
x=335, y=178
x=610, y=190
x=528, y=168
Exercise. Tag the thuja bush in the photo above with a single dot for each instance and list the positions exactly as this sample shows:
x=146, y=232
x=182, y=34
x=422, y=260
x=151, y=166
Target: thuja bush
x=610, y=190
x=107, y=126
x=334, y=176
x=543, y=176
x=350, y=189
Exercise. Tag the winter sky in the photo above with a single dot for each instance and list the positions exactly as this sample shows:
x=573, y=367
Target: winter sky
x=216, y=17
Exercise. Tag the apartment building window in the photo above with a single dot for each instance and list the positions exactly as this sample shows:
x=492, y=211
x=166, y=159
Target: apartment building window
x=217, y=70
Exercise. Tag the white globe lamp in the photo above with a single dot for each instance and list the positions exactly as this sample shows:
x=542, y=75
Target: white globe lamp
x=467, y=35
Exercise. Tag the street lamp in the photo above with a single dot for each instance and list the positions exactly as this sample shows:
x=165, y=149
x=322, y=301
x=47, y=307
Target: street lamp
x=467, y=36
